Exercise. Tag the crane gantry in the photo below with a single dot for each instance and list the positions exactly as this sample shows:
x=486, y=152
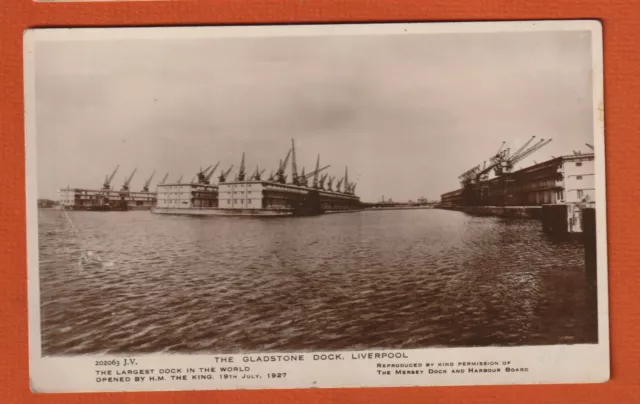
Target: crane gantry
x=145, y=187
x=318, y=176
x=223, y=175
x=241, y=171
x=257, y=174
x=502, y=162
x=108, y=178
x=127, y=181
x=204, y=176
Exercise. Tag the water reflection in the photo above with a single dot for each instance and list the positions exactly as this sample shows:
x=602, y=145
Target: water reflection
x=389, y=279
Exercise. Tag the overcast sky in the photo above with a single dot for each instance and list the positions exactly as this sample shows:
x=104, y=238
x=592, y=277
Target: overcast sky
x=406, y=113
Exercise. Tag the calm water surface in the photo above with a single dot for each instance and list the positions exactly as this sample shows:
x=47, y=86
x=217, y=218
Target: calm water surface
x=387, y=279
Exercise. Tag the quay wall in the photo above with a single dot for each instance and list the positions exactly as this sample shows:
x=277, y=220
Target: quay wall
x=555, y=219
x=396, y=208
x=331, y=211
x=222, y=212
x=237, y=212
x=521, y=212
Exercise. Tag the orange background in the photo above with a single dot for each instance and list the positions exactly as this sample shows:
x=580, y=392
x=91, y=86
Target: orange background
x=621, y=19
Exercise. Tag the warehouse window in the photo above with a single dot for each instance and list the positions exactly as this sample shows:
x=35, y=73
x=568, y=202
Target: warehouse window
x=578, y=164
x=580, y=193
x=579, y=177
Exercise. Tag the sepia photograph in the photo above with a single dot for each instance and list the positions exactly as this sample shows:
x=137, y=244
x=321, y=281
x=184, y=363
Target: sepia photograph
x=310, y=205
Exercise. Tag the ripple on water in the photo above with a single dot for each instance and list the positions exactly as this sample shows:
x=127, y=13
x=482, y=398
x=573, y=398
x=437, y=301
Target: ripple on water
x=395, y=279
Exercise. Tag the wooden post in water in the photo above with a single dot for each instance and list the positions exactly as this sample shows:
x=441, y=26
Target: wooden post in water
x=554, y=219
x=589, y=237
x=591, y=267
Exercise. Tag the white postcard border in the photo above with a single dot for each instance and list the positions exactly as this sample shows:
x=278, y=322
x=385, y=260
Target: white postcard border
x=545, y=364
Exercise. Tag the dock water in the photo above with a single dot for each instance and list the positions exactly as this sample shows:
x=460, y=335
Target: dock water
x=577, y=221
x=391, y=278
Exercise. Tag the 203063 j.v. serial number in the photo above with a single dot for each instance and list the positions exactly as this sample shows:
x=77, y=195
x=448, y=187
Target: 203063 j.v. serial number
x=112, y=362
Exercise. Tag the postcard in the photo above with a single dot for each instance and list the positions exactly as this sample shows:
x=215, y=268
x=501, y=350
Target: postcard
x=330, y=205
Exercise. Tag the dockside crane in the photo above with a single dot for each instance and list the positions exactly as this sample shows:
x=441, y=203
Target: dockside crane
x=349, y=189
x=223, y=175
x=330, y=183
x=257, y=175
x=524, y=146
x=294, y=166
x=589, y=146
x=304, y=177
x=109, y=178
x=275, y=175
x=241, y=171
x=470, y=175
x=339, y=184
x=180, y=179
x=511, y=162
x=201, y=175
x=502, y=164
x=127, y=182
x=301, y=179
x=322, y=180
x=164, y=179
x=346, y=179
x=204, y=177
x=207, y=179
x=315, y=176
x=145, y=187
x=280, y=176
